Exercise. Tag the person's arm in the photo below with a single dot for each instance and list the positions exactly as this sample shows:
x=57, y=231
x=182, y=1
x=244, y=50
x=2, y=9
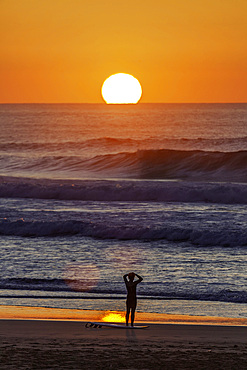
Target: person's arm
x=139, y=279
x=125, y=278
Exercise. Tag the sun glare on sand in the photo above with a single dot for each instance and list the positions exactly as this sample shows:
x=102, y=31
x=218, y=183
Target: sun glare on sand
x=121, y=88
x=113, y=317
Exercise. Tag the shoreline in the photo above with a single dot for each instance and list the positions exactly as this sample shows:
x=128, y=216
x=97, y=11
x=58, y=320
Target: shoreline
x=62, y=314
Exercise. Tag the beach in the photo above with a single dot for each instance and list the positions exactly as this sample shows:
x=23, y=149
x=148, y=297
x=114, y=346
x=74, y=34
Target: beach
x=68, y=344
x=36, y=344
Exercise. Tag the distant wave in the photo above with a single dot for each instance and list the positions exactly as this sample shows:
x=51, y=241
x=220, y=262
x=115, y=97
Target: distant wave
x=70, y=145
x=124, y=190
x=102, y=230
x=113, y=143
x=142, y=164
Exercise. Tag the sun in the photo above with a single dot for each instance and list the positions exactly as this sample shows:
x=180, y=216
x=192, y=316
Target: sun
x=121, y=88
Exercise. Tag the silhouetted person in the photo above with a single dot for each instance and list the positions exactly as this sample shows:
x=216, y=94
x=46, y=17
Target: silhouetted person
x=131, y=295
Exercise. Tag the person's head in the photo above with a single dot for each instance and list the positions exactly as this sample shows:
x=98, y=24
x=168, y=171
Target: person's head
x=131, y=276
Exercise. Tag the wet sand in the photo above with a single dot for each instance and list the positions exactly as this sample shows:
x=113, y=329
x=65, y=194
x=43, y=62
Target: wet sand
x=68, y=344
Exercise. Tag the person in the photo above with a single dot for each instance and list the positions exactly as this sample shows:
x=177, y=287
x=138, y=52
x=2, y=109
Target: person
x=131, y=295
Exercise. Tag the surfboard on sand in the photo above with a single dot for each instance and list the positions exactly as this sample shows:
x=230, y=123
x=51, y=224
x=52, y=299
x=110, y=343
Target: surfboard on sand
x=112, y=325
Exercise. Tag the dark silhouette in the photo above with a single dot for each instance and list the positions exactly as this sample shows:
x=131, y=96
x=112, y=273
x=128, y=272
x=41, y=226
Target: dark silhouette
x=131, y=295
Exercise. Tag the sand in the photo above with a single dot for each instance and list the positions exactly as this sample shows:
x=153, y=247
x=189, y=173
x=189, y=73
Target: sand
x=68, y=344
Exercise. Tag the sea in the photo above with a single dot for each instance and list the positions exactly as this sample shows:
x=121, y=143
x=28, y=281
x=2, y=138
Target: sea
x=90, y=192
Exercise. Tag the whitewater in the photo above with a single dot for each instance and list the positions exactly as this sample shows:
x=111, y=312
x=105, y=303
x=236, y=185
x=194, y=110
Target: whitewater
x=89, y=192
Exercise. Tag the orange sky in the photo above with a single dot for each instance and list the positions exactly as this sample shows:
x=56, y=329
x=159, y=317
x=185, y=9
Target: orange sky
x=181, y=51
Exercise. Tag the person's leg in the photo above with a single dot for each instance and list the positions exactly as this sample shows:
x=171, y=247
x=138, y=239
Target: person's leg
x=127, y=315
x=132, y=316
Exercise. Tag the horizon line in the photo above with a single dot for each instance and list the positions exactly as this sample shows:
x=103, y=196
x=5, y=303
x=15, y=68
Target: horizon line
x=140, y=103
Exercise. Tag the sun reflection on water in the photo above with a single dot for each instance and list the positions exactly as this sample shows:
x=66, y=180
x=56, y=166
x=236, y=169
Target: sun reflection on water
x=82, y=277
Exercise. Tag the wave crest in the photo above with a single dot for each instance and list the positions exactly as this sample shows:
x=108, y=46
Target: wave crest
x=110, y=190
x=193, y=165
x=174, y=164
x=205, y=237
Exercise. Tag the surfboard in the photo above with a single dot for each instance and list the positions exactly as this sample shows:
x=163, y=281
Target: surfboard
x=95, y=325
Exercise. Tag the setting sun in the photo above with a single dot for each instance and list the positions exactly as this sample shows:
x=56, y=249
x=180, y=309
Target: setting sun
x=121, y=88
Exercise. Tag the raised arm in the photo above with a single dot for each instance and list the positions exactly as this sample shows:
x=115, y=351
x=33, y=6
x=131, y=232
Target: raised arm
x=139, y=279
x=125, y=278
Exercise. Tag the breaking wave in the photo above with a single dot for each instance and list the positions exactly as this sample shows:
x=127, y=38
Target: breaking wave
x=124, y=190
x=191, y=165
x=203, y=237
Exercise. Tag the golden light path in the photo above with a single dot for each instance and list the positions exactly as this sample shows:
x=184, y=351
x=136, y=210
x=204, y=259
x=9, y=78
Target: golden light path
x=46, y=313
x=121, y=88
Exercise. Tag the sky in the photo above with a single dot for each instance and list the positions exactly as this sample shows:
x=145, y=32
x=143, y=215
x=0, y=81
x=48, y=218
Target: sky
x=61, y=51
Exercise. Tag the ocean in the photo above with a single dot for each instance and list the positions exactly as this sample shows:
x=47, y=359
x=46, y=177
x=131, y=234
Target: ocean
x=89, y=192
